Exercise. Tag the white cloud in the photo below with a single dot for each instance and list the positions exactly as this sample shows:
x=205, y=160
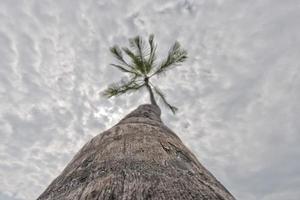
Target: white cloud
x=238, y=93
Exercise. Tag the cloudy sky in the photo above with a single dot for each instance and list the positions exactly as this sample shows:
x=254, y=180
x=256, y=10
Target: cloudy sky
x=238, y=94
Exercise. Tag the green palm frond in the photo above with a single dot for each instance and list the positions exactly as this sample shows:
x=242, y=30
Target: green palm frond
x=163, y=98
x=175, y=57
x=122, y=87
x=152, y=57
x=117, y=53
x=136, y=60
x=138, y=46
x=124, y=69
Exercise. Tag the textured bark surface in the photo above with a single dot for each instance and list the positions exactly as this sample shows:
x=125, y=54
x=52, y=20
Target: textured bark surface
x=139, y=158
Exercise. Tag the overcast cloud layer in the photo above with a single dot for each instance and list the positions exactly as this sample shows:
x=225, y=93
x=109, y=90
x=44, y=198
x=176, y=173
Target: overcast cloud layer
x=238, y=93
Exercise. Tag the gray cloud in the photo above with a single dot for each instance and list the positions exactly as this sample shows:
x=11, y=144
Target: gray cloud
x=238, y=93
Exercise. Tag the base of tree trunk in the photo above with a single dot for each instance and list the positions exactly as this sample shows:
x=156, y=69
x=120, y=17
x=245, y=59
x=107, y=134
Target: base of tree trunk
x=139, y=158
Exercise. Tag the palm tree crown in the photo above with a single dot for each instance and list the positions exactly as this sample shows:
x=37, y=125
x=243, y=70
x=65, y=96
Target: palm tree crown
x=139, y=63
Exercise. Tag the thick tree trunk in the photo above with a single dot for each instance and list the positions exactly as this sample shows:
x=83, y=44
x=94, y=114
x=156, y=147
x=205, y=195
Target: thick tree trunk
x=139, y=158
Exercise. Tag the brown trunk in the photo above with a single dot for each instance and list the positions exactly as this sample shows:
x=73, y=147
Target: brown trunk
x=152, y=98
x=139, y=158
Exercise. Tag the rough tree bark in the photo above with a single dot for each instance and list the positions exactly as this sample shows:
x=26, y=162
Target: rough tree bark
x=138, y=158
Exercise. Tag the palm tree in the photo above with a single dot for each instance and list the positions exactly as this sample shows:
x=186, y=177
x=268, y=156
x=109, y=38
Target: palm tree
x=139, y=157
x=139, y=63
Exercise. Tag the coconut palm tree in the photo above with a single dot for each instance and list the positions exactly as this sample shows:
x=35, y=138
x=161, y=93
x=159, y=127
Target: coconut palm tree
x=139, y=62
x=139, y=157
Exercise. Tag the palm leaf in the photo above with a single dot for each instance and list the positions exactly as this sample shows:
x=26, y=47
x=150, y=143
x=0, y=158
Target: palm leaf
x=122, y=87
x=136, y=60
x=162, y=96
x=117, y=53
x=152, y=56
x=138, y=45
x=175, y=57
x=124, y=69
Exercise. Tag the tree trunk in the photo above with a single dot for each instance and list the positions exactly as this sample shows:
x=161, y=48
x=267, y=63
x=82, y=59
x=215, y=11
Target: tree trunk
x=139, y=158
x=152, y=99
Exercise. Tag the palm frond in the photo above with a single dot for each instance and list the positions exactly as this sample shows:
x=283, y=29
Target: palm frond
x=152, y=57
x=136, y=60
x=122, y=87
x=124, y=69
x=175, y=57
x=138, y=45
x=163, y=98
x=117, y=53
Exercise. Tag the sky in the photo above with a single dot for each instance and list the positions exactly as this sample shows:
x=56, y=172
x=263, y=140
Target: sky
x=238, y=93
